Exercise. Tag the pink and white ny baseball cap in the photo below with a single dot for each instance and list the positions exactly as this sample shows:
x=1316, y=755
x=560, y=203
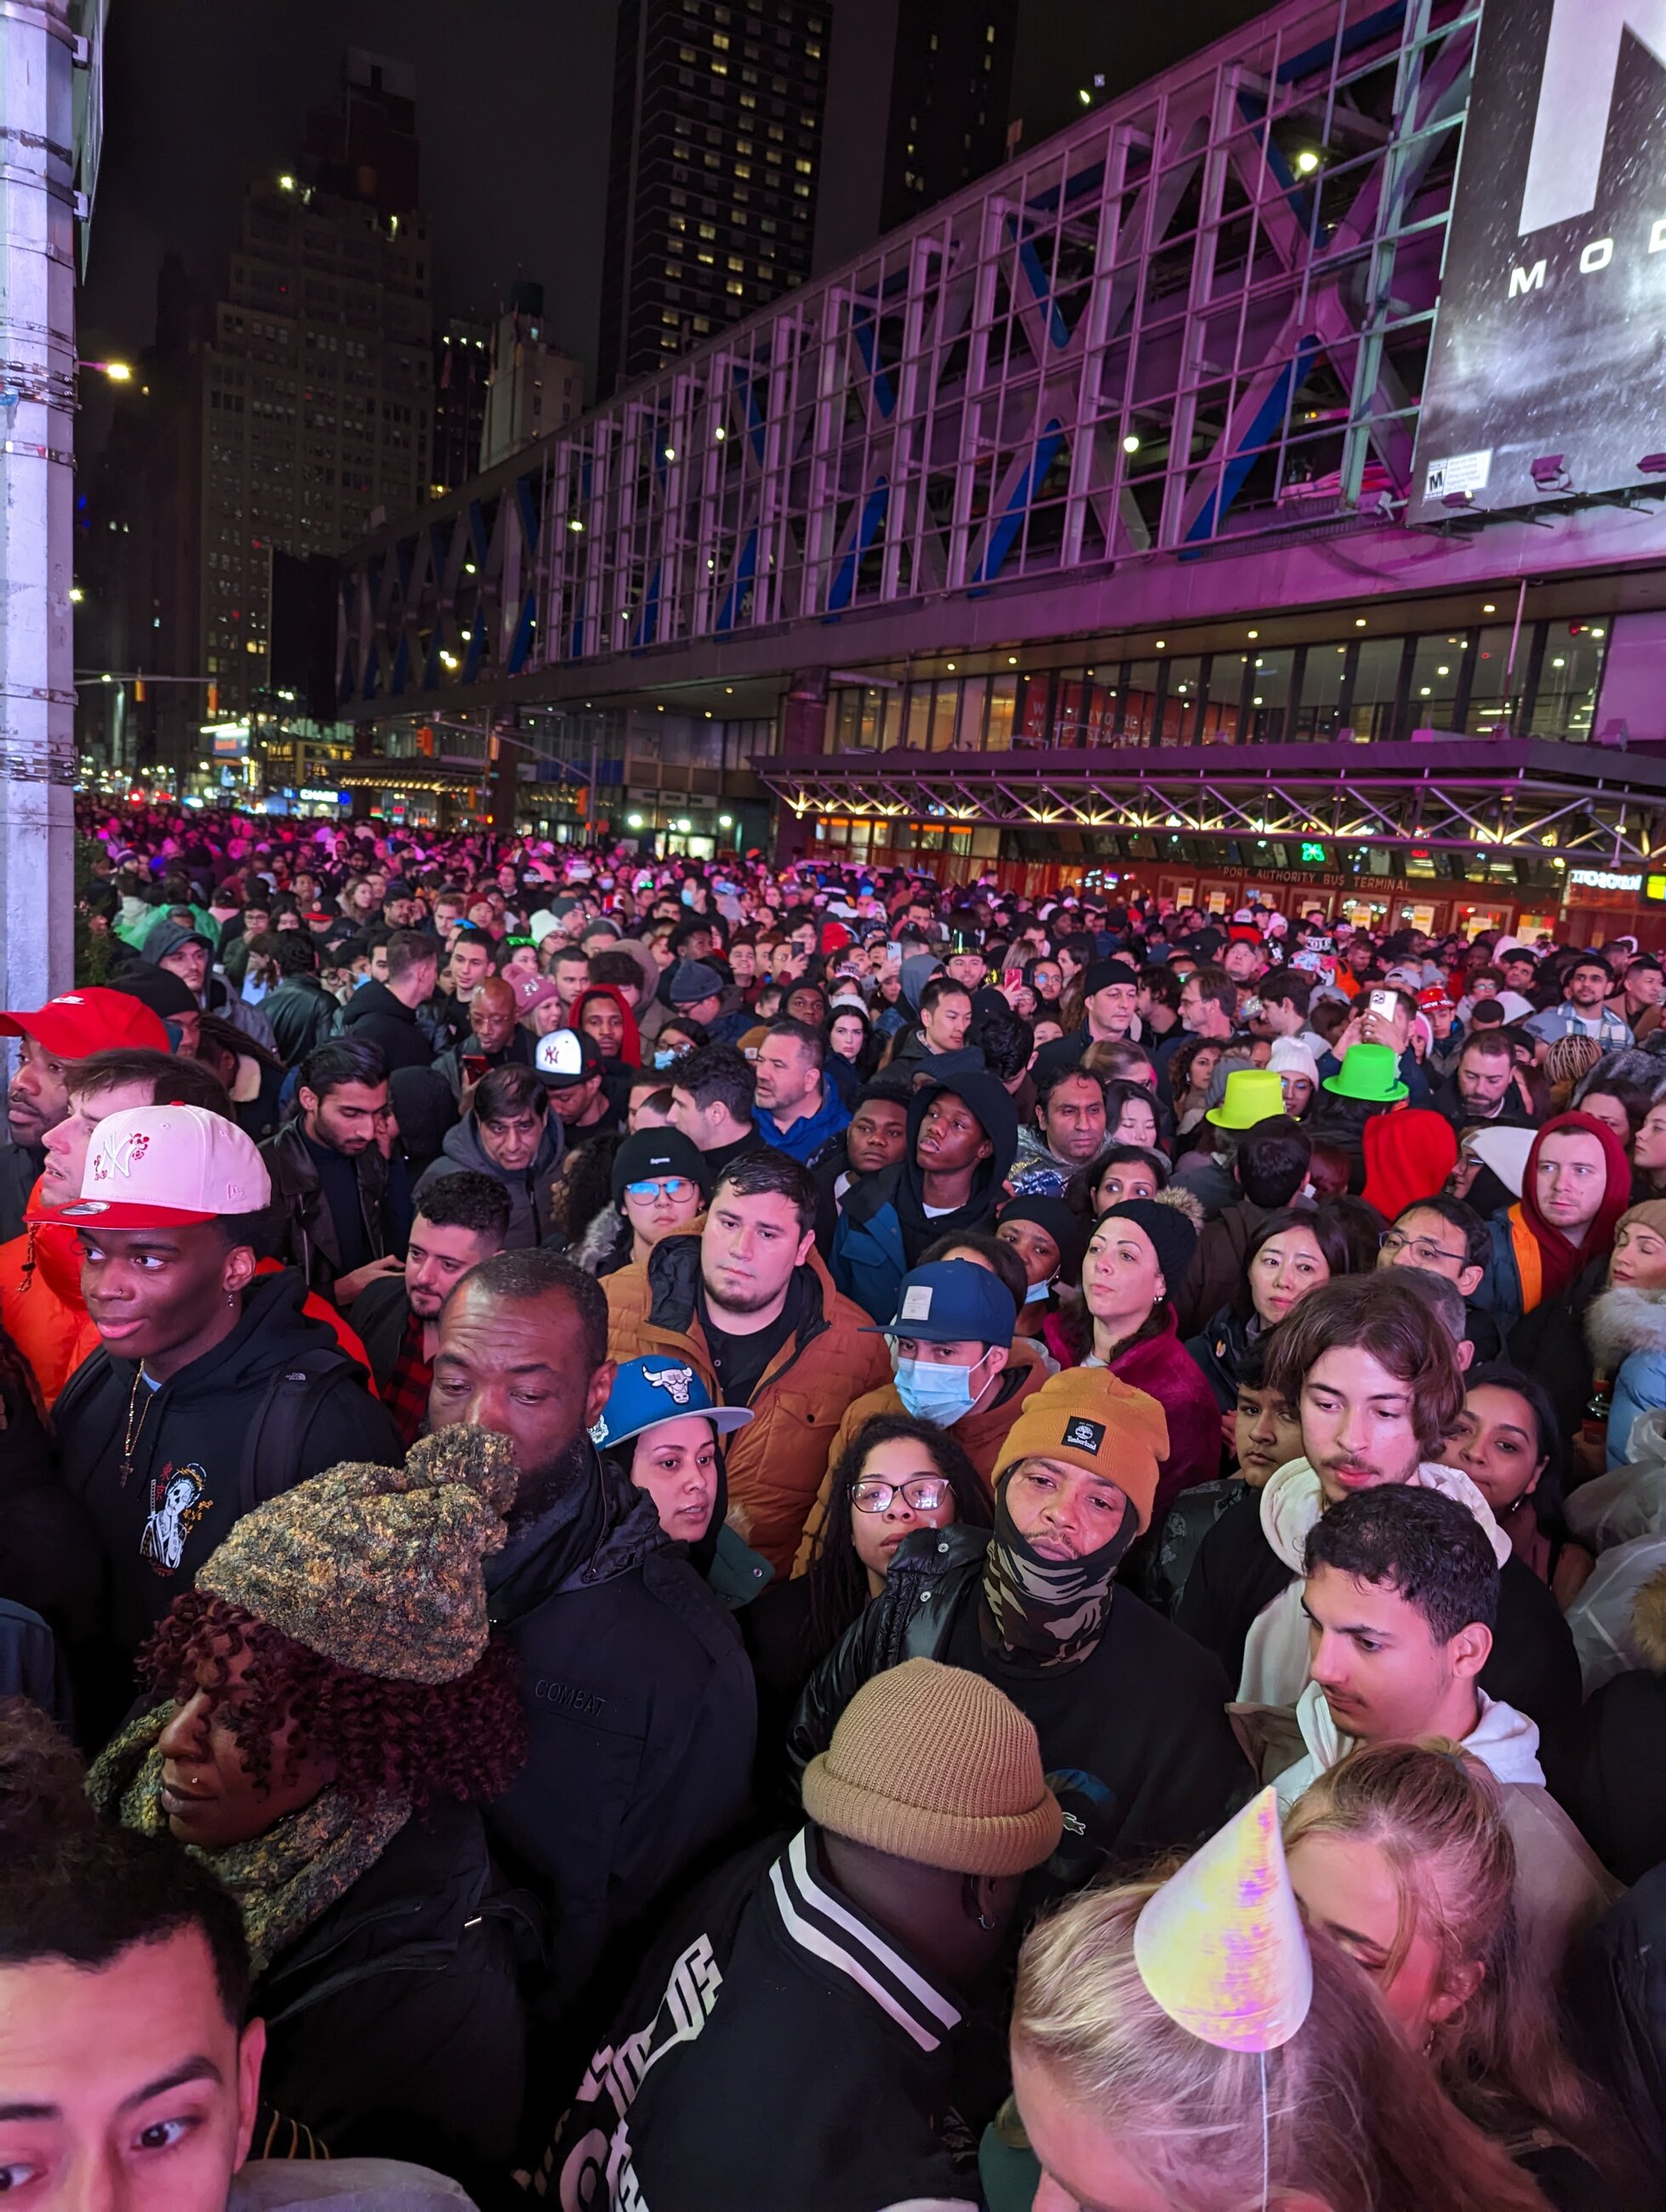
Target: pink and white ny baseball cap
x=157, y=1167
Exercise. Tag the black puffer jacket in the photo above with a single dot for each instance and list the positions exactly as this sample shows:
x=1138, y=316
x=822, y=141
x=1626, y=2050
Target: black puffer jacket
x=641, y=1713
x=1615, y=1992
x=1621, y=1804
x=1135, y=1737
x=394, y=2025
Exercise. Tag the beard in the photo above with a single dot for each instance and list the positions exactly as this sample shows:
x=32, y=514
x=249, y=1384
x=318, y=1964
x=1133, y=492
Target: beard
x=729, y=1302
x=540, y=1489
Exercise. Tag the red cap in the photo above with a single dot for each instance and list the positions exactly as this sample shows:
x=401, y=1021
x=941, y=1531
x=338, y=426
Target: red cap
x=77, y=1023
x=1434, y=996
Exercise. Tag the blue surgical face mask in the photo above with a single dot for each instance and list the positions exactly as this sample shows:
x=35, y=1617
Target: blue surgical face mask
x=1038, y=1291
x=933, y=1392
x=664, y=1056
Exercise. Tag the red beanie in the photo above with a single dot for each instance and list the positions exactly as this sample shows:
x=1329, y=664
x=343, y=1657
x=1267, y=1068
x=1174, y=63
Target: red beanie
x=1408, y=1156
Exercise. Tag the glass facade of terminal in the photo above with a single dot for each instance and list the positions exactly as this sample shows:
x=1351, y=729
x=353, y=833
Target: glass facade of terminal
x=1353, y=687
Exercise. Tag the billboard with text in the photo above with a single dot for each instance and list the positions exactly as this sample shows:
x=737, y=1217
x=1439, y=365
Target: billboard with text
x=1547, y=374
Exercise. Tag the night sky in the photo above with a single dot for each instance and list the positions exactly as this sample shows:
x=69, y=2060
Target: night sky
x=512, y=100
x=512, y=109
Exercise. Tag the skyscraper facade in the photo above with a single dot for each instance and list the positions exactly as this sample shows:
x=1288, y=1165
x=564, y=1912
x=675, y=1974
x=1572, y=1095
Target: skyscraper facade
x=462, y=370
x=296, y=399
x=717, y=112
x=917, y=102
x=532, y=387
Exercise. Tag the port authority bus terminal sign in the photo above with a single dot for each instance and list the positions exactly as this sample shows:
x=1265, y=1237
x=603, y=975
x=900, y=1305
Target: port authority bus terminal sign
x=1549, y=352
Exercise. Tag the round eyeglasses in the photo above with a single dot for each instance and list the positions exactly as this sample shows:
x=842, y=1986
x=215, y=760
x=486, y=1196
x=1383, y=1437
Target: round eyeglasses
x=921, y=1492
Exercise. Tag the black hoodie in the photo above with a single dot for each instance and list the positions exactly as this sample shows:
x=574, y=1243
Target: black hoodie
x=375, y=1015
x=884, y=1227
x=189, y=1451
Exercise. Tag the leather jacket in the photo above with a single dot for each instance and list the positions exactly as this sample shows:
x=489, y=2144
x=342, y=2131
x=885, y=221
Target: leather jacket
x=309, y=1240
x=910, y=1619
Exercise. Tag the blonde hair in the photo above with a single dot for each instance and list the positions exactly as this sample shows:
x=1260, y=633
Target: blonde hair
x=1436, y=1817
x=1354, y=2118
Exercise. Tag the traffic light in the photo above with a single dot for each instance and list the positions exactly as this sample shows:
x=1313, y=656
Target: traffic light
x=214, y=700
x=138, y=690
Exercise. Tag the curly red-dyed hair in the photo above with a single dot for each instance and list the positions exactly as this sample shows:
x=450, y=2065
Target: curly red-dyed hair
x=417, y=1740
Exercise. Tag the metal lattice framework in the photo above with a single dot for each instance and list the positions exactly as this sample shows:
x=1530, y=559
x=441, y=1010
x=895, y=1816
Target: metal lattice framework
x=1198, y=315
x=1457, y=795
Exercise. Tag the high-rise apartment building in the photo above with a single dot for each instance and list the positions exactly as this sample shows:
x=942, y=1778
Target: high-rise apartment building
x=533, y=386
x=917, y=103
x=296, y=399
x=462, y=369
x=718, y=110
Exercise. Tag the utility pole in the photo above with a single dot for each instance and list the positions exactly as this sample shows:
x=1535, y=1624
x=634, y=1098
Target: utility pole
x=38, y=52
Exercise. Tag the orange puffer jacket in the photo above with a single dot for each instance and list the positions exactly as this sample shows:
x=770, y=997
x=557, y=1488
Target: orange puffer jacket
x=40, y=1306
x=776, y=1462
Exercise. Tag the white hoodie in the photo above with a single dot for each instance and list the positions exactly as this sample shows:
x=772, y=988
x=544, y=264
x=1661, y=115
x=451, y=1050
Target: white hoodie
x=1562, y=1889
x=1275, y=1650
x=1504, y=1741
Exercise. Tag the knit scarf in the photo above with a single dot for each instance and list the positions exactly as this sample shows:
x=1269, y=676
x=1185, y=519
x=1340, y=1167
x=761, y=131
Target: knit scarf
x=282, y=1881
x=1047, y=1613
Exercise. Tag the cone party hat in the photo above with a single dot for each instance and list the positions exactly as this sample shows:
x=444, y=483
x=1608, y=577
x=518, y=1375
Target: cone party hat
x=1221, y=1945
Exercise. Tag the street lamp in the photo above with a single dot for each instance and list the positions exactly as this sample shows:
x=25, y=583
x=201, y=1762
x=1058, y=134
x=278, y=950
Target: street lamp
x=118, y=372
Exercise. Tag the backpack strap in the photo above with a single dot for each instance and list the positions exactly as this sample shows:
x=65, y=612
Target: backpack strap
x=278, y=1434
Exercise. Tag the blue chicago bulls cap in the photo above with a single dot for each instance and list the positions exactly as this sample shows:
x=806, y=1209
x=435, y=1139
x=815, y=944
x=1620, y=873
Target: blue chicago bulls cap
x=647, y=1392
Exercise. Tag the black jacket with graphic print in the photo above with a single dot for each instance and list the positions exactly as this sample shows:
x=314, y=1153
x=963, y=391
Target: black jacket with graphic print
x=190, y=1445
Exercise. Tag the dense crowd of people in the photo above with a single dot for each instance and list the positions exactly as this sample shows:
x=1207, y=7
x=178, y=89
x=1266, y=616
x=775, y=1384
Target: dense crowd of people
x=688, y=1534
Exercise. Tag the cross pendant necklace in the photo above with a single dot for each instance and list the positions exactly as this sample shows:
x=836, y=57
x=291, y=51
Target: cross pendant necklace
x=134, y=1428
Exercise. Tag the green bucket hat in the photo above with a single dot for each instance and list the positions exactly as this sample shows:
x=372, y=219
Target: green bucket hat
x=1253, y=1095
x=1371, y=1074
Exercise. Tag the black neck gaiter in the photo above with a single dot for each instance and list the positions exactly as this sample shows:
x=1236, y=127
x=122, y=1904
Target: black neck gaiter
x=1047, y=1613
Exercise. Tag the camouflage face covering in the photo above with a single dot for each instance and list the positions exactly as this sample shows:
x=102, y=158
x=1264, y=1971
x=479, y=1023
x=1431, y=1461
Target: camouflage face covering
x=1047, y=1613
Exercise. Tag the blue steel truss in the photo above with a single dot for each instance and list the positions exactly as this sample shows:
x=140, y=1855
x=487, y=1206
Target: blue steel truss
x=1199, y=313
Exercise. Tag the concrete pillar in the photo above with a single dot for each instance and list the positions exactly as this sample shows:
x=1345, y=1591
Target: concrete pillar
x=37, y=463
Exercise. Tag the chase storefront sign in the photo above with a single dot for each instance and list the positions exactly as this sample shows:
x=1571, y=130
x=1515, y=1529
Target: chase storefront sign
x=1549, y=352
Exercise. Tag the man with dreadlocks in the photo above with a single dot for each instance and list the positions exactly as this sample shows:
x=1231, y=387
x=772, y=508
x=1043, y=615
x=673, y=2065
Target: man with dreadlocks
x=1130, y=1712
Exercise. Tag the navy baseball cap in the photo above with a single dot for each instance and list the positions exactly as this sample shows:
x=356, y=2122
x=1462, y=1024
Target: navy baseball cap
x=648, y=1393
x=953, y=1301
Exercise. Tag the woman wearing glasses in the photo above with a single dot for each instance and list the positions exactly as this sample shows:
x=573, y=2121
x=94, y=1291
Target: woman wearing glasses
x=898, y=1475
x=659, y=1185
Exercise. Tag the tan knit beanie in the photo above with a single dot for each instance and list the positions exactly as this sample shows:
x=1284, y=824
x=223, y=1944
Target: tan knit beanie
x=934, y=1764
x=1648, y=1213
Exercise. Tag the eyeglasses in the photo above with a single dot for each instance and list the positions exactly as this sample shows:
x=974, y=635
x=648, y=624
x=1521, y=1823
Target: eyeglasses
x=669, y=1185
x=1422, y=1250
x=921, y=1493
